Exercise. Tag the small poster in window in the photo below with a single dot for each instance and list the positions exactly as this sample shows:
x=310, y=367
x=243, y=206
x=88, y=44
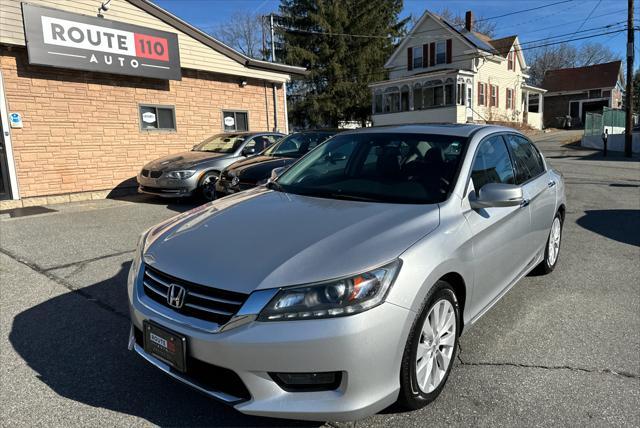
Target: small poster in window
x=229, y=121
x=148, y=117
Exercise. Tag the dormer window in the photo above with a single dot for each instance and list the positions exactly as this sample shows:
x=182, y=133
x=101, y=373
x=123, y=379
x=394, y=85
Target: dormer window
x=441, y=52
x=417, y=57
x=511, y=60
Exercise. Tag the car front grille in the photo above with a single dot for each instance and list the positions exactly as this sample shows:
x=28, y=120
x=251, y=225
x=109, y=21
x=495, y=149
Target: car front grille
x=152, y=174
x=200, y=301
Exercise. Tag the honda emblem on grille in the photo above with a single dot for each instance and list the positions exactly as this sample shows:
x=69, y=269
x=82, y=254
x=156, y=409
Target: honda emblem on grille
x=176, y=295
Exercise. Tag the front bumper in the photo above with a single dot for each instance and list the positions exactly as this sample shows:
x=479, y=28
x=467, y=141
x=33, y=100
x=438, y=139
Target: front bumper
x=168, y=187
x=367, y=348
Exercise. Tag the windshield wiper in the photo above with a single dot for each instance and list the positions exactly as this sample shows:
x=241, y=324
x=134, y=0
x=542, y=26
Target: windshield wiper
x=352, y=197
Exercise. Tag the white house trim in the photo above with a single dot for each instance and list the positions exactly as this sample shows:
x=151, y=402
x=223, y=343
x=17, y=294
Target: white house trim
x=403, y=45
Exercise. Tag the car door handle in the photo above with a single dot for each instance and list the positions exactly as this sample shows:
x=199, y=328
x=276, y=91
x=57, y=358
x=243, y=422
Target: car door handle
x=524, y=203
x=551, y=183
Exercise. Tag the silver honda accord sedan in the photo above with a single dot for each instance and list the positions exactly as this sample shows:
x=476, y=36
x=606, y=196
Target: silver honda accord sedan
x=344, y=284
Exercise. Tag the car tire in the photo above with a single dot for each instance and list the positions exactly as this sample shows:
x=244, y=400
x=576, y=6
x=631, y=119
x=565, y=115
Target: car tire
x=414, y=392
x=207, y=186
x=552, y=249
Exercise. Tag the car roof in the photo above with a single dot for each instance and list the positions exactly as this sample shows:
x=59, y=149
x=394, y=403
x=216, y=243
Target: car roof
x=455, y=130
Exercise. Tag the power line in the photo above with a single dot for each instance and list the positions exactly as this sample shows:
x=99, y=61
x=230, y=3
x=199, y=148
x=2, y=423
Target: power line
x=589, y=16
x=523, y=10
x=466, y=58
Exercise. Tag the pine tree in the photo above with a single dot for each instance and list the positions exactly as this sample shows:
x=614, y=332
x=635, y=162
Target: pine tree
x=317, y=34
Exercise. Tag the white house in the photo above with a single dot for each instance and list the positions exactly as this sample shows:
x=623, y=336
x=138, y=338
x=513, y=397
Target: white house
x=440, y=73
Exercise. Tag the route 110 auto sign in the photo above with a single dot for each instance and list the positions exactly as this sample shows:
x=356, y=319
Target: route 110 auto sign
x=68, y=40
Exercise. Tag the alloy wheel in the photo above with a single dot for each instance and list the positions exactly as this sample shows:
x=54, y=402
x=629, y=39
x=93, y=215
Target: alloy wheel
x=436, y=346
x=554, y=242
x=209, y=187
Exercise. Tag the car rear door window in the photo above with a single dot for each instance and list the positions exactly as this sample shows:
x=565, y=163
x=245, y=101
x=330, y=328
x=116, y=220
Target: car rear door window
x=492, y=163
x=527, y=160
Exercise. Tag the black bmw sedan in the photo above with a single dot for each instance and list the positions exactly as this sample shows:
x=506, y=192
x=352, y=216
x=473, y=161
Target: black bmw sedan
x=254, y=171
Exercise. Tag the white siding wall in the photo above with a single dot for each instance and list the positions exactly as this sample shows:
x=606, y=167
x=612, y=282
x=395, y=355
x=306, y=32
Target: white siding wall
x=193, y=54
x=430, y=31
x=494, y=73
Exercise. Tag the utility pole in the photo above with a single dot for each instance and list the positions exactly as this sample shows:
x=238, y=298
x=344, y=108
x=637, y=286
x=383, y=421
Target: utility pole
x=273, y=43
x=628, y=138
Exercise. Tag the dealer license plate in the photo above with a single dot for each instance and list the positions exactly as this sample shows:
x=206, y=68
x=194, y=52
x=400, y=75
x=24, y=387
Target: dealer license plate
x=165, y=345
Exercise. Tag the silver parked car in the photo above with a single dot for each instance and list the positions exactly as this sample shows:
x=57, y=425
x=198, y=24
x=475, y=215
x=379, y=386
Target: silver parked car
x=184, y=174
x=375, y=252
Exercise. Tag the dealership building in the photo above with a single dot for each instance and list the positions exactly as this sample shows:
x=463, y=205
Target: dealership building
x=88, y=96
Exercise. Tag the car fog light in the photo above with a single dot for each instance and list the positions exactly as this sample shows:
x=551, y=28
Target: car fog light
x=301, y=382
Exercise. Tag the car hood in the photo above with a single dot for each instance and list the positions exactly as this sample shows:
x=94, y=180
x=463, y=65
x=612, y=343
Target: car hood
x=258, y=167
x=264, y=239
x=183, y=160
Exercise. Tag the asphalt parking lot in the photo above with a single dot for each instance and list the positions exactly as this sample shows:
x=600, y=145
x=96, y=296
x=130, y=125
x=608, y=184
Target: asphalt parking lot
x=562, y=349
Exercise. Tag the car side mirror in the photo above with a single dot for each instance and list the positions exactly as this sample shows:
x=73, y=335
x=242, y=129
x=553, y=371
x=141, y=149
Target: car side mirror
x=497, y=195
x=275, y=173
x=248, y=151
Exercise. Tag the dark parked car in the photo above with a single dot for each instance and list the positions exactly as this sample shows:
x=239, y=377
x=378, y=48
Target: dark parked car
x=247, y=173
x=185, y=174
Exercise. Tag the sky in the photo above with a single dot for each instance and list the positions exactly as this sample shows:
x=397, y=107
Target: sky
x=565, y=18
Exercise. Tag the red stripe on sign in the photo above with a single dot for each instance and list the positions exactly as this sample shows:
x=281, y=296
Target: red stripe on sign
x=151, y=47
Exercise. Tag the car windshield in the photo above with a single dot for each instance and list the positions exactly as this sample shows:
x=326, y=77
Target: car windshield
x=221, y=143
x=298, y=144
x=378, y=167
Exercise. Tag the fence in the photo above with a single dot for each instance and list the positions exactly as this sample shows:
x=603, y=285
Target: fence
x=611, y=119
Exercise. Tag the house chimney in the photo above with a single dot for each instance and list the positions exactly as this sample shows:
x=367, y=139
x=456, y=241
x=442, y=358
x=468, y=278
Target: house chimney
x=468, y=21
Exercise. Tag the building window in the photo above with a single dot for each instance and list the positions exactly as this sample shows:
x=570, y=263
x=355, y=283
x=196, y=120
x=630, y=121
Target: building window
x=235, y=121
x=482, y=101
x=417, y=57
x=595, y=93
x=606, y=94
x=534, y=103
x=377, y=101
x=510, y=61
x=427, y=99
x=494, y=95
x=441, y=52
x=417, y=96
x=461, y=94
x=404, y=98
x=391, y=100
x=509, y=98
x=448, y=94
x=157, y=117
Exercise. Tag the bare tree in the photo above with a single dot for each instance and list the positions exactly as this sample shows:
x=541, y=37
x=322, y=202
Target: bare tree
x=243, y=32
x=565, y=55
x=480, y=25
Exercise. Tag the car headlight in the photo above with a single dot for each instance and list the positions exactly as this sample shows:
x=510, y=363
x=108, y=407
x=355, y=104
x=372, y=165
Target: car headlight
x=181, y=175
x=334, y=298
x=235, y=181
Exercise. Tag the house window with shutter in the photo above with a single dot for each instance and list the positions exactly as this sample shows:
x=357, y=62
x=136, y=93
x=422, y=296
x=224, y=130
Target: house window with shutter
x=441, y=52
x=417, y=57
x=510, y=61
x=481, y=95
x=509, y=98
x=494, y=96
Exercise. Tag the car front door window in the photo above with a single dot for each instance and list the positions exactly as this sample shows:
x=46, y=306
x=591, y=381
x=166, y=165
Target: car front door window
x=492, y=164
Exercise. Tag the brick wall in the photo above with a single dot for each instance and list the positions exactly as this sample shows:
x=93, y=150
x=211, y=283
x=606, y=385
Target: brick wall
x=82, y=133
